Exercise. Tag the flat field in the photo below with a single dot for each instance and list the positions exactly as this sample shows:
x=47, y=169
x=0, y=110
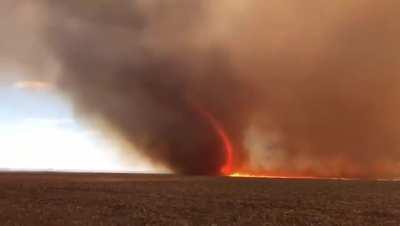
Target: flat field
x=132, y=199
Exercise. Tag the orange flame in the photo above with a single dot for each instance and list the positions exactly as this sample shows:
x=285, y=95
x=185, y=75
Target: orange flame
x=228, y=170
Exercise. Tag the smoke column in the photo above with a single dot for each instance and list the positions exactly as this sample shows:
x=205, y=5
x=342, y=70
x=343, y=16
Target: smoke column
x=297, y=88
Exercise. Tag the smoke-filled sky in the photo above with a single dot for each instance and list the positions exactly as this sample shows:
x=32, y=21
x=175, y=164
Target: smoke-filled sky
x=296, y=88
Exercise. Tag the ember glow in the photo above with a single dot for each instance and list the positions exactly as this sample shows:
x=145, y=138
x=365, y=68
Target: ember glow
x=283, y=175
x=272, y=176
x=268, y=176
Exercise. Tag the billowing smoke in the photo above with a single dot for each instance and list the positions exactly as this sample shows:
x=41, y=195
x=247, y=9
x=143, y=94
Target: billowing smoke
x=299, y=88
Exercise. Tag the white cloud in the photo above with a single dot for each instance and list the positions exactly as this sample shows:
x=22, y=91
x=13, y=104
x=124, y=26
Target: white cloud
x=33, y=85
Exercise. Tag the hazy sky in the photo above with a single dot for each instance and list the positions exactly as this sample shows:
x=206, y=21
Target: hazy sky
x=38, y=131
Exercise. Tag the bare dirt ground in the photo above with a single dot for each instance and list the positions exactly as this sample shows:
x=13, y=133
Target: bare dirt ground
x=123, y=199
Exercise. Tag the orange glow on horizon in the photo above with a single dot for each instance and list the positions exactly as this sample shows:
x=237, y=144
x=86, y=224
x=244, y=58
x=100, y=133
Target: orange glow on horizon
x=277, y=176
x=271, y=176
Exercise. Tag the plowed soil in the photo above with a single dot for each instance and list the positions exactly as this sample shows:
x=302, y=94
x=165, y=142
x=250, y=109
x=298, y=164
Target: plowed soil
x=132, y=199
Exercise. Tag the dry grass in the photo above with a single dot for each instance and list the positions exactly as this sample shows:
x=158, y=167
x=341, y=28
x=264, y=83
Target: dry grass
x=101, y=199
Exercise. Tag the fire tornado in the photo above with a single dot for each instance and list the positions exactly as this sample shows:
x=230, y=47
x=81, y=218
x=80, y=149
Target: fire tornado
x=227, y=167
x=305, y=93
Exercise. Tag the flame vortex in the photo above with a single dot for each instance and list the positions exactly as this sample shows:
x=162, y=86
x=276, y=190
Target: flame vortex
x=227, y=168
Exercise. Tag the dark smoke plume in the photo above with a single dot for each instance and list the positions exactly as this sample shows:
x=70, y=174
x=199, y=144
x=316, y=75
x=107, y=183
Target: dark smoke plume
x=300, y=88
